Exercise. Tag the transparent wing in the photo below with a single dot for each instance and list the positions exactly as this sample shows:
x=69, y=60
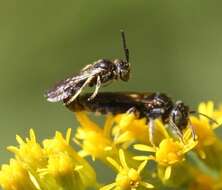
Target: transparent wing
x=69, y=86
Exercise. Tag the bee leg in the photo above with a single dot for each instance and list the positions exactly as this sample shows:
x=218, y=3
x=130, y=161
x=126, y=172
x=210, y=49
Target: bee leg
x=86, y=67
x=151, y=131
x=192, y=130
x=135, y=111
x=98, y=85
x=176, y=130
x=79, y=91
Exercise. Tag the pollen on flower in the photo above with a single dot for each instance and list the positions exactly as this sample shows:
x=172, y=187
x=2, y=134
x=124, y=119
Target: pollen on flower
x=127, y=178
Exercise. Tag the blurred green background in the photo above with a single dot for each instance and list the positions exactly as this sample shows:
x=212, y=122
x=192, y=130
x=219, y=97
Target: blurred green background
x=175, y=47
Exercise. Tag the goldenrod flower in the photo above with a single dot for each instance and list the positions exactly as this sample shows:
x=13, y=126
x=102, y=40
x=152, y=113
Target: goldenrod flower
x=127, y=178
x=29, y=151
x=167, y=154
x=208, y=109
x=15, y=177
x=57, y=167
x=65, y=163
x=204, y=129
x=63, y=170
x=128, y=129
x=93, y=140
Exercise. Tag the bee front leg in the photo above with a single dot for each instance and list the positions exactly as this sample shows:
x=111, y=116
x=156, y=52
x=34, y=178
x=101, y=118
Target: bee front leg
x=176, y=130
x=98, y=85
x=192, y=130
x=79, y=91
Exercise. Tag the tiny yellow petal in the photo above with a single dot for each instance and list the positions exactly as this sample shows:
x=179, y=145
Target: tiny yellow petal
x=79, y=167
x=108, y=148
x=142, y=166
x=108, y=187
x=114, y=163
x=124, y=137
x=68, y=135
x=122, y=159
x=143, y=158
x=167, y=172
x=32, y=135
x=83, y=153
x=34, y=181
x=147, y=185
x=143, y=147
x=108, y=125
x=19, y=140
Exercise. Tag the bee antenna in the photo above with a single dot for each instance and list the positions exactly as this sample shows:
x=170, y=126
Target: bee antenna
x=204, y=115
x=125, y=49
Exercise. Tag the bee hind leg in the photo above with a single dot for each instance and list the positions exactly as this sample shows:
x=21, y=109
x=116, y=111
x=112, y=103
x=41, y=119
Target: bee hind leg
x=98, y=85
x=79, y=91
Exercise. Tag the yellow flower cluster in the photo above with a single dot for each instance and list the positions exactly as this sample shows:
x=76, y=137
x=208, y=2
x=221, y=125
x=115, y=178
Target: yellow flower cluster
x=123, y=145
x=55, y=165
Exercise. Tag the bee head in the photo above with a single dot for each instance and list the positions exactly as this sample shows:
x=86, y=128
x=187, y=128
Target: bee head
x=123, y=69
x=179, y=115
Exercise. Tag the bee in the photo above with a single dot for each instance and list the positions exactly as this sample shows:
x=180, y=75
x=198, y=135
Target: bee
x=149, y=105
x=100, y=72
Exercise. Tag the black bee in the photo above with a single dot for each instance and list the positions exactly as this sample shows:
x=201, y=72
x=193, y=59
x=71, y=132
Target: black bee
x=148, y=105
x=96, y=74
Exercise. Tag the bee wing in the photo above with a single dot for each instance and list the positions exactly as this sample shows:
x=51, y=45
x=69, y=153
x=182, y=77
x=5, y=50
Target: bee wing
x=69, y=86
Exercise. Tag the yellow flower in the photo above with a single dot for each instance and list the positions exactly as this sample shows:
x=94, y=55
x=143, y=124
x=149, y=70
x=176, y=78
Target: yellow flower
x=65, y=163
x=15, y=177
x=209, y=110
x=204, y=128
x=94, y=140
x=64, y=172
x=55, y=166
x=128, y=129
x=127, y=178
x=167, y=154
x=29, y=152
